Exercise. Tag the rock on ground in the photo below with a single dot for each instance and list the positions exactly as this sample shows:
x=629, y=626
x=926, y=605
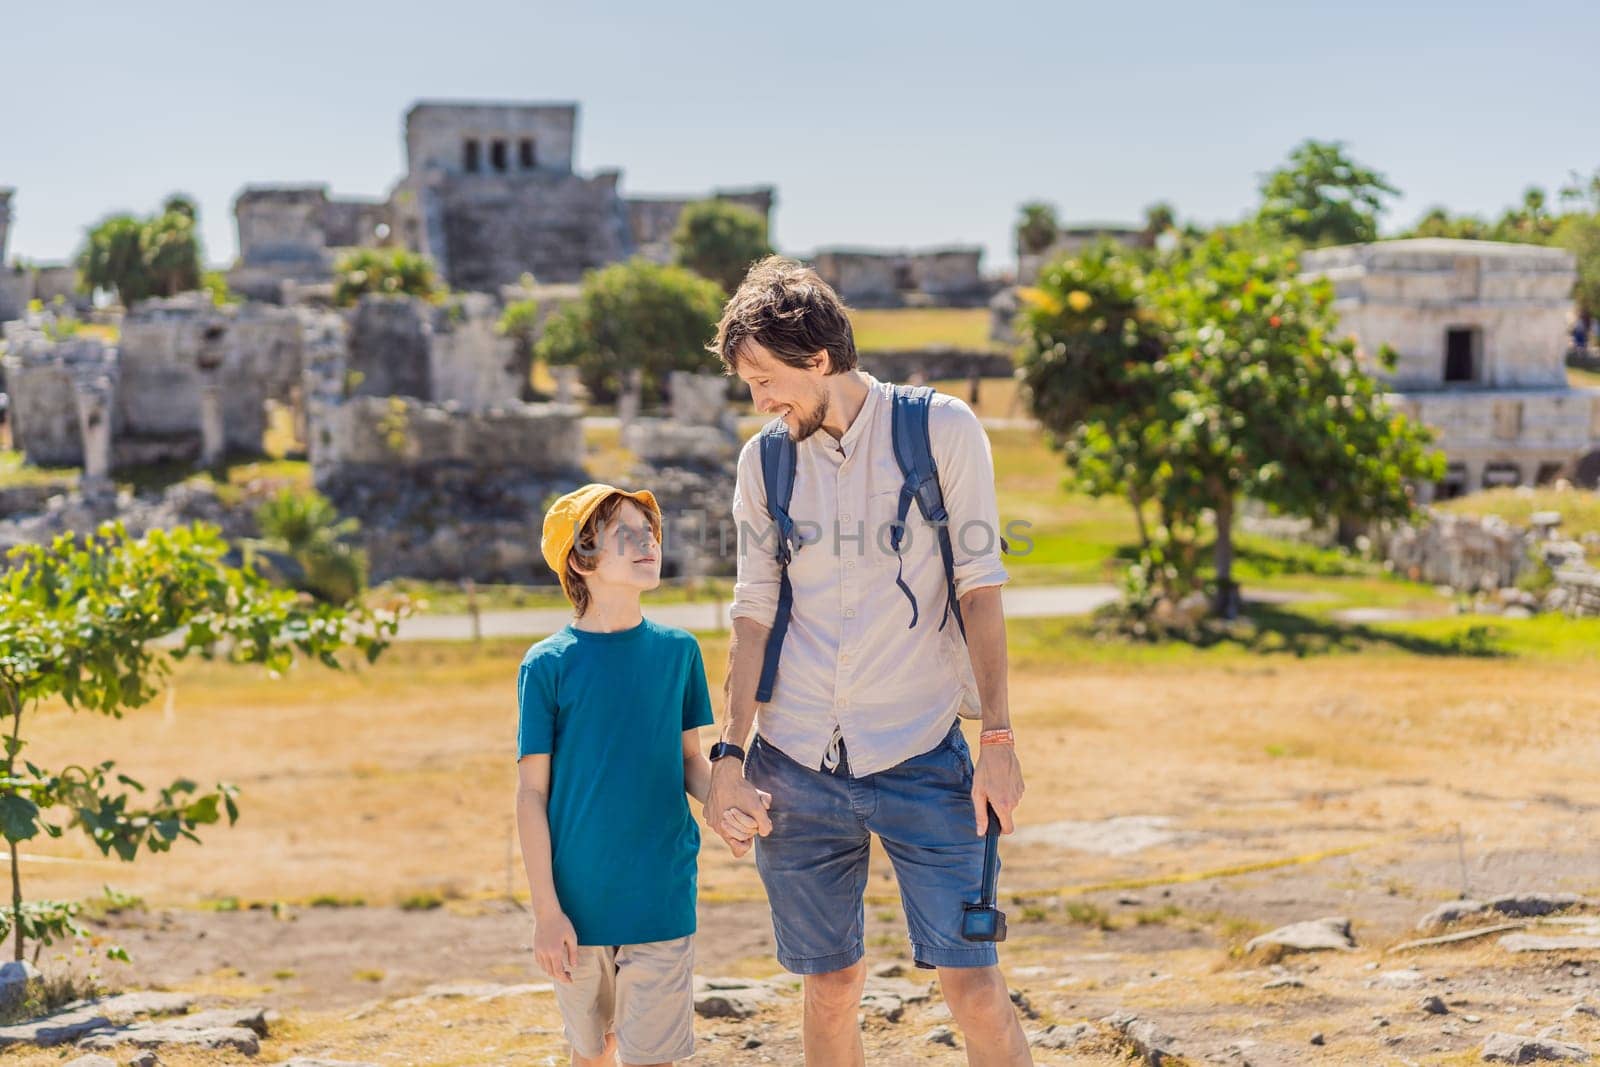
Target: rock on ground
x=14, y=979
x=1314, y=935
x=1153, y=1045
x=1516, y=1048
x=1512, y=905
x=155, y=1035
x=1057, y=1037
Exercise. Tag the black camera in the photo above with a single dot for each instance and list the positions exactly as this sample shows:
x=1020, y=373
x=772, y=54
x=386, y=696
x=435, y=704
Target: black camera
x=982, y=921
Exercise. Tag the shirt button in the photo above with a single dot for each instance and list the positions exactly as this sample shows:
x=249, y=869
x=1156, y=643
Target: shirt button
x=849, y=563
x=849, y=613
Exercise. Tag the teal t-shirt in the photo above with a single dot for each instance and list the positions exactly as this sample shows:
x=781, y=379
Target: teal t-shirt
x=611, y=708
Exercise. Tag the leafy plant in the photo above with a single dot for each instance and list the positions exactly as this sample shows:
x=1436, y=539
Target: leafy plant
x=631, y=315
x=140, y=258
x=1323, y=197
x=520, y=322
x=718, y=239
x=1037, y=227
x=305, y=525
x=387, y=271
x=1214, y=375
x=95, y=622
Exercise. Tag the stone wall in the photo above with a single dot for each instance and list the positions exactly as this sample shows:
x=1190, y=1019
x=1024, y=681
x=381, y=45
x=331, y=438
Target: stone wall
x=1462, y=552
x=390, y=337
x=1409, y=294
x=255, y=351
x=442, y=493
x=450, y=353
x=39, y=376
x=402, y=434
x=16, y=289
x=652, y=220
x=281, y=238
x=886, y=278
x=6, y=193
x=354, y=223
x=864, y=279
x=437, y=132
x=936, y=364
x=952, y=275
x=487, y=231
x=471, y=365
x=1508, y=437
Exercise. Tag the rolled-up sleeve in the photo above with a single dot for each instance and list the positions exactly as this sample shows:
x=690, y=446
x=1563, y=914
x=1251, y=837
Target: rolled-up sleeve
x=755, y=590
x=966, y=477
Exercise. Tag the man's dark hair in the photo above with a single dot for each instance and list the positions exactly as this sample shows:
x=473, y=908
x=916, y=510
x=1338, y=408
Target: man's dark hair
x=790, y=311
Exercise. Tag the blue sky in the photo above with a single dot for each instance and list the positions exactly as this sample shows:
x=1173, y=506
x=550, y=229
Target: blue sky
x=880, y=124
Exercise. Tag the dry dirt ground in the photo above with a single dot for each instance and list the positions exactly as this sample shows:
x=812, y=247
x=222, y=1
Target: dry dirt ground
x=1177, y=806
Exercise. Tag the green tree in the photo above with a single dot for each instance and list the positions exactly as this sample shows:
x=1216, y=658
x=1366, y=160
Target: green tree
x=718, y=239
x=520, y=322
x=95, y=622
x=634, y=315
x=388, y=271
x=1037, y=228
x=1580, y=235
x=1321, y=196
x=1213, y=376
x=1159, y=218
x=140, y=258
x=305, y=526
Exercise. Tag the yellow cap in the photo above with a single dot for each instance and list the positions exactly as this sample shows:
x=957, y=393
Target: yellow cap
x=567, y=516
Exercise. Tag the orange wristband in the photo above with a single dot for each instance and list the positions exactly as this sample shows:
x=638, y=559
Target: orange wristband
x=997, y=737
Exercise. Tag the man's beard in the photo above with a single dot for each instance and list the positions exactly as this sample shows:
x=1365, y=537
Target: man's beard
x=813, y=422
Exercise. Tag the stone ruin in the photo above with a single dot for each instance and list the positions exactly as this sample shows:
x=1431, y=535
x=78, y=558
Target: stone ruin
x=490, y=194
x=875, y=278
x=687, y=459
x=1479, y=329
x=187, y=381
x=411, y=413
x=417, y=429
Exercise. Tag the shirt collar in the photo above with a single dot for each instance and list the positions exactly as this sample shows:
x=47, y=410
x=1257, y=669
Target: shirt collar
x=864, y=417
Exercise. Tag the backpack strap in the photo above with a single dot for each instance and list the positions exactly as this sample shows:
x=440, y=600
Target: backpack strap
x=913, y=451
x=778, y=459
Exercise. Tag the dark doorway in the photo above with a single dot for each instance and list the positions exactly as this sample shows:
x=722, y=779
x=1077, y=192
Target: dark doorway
x=1496, y=475
x=469, y=156
x=1453, y=484
x=497, y=155
x=1460, y=355
x=525, y=157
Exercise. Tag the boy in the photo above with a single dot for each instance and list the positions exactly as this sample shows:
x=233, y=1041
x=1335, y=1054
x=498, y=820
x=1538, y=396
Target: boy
x=607, y=746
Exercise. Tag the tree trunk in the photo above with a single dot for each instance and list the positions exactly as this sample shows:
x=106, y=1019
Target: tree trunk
x=1228, y=600
x=14, y=702
x=1138, y=517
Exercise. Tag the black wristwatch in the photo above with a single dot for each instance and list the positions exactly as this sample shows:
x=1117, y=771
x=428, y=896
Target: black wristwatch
x=724, y=749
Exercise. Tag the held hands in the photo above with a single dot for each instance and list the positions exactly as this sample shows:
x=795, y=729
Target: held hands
x=997, y=781
x=735, y=810
x=555, y=946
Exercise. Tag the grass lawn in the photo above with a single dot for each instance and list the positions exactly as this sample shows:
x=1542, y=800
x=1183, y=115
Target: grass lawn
x=1583, y=379
x=904, y=328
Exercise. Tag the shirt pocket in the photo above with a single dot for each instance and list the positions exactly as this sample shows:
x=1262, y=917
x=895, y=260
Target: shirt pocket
x=883, y=512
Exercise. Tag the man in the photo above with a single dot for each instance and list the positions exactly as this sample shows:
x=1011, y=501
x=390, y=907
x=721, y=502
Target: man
x=860, y=733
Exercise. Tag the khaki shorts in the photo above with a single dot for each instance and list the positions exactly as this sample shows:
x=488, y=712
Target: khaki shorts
x=642, y=993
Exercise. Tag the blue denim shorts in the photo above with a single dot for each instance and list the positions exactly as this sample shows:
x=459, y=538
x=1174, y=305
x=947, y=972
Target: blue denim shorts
x=814, y=863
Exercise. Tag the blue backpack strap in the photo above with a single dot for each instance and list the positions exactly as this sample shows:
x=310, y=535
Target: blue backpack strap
x=913, y=451
x=778, y=459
